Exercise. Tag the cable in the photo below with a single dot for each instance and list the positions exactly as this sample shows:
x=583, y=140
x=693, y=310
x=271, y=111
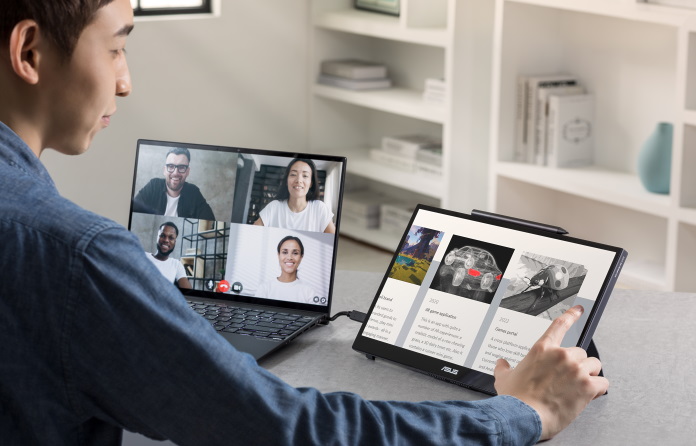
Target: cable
x=354, y=315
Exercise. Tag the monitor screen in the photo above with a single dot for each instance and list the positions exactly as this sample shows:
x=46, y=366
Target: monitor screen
x=241, y=223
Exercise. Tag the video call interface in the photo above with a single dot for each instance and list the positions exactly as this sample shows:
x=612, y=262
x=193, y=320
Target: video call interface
x=469, y=293
x=233, y=229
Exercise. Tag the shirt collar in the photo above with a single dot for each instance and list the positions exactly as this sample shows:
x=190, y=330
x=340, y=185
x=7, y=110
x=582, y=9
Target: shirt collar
x=15, y=152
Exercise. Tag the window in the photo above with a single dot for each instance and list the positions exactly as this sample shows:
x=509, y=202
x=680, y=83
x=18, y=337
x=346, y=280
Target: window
x=164, y=7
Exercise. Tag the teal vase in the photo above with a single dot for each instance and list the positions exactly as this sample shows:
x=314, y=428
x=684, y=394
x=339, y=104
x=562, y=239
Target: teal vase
x=655, y=159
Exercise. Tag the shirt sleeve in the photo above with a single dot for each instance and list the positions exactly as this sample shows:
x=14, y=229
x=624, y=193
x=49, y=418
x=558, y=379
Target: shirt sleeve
x=268, y=213
x=326, y=214
x=180, y=270
x=138, y=357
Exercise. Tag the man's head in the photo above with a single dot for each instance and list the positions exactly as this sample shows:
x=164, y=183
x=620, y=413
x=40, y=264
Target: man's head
x=62, y=64
x=61, y=21
x=166, y=239
x=176, y=170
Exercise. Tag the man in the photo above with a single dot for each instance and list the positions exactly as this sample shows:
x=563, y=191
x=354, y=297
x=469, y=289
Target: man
x=172, y=269
x=86, y=353
x=172, y=196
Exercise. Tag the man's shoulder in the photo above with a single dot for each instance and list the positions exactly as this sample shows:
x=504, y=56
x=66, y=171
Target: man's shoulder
x=155, y=183
x=191, y=188
x=38, y=207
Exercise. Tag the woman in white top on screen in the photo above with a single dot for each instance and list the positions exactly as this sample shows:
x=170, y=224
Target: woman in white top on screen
x=288, y=286
x=297, y=205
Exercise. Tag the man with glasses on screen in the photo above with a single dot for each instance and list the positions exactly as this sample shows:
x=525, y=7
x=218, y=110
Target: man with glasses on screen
x=94, y=340
x=172, y=196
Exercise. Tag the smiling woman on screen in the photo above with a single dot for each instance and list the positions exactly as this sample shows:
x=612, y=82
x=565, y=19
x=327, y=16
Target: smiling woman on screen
x=297, y=205
x=288, y=286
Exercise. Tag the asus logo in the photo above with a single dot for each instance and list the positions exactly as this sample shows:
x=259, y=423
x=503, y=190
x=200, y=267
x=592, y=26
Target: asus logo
x=450, y=370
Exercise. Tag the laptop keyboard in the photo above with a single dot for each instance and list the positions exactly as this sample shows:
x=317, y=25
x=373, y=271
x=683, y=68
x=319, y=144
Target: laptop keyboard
x=246, y=321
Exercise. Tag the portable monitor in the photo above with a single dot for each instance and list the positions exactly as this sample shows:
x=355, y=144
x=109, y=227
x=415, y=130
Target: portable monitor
x=465, y=290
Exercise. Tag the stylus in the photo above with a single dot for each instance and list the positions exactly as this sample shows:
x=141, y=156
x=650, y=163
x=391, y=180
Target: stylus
x=519, y=221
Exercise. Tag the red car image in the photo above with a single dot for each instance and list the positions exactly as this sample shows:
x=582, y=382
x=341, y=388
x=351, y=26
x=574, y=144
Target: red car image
x=473, y=268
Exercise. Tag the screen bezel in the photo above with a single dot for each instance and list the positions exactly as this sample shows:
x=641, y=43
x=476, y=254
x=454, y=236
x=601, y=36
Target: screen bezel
x=467, y=377
x=242, y=298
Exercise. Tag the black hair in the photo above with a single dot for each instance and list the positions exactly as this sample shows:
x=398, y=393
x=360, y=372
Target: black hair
x=291, y=237
x=60, y=21
x=171, y=225
x=180, y=151
x=313, y=192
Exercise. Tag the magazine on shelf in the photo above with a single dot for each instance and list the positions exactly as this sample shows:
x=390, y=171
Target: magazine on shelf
x=393, y=160
x=409, y=145
x=354, y=69
x=354, y=84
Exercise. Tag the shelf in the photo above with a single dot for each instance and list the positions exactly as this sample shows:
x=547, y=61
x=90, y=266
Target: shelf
x=642, y=12
x=616, y=188
x=381, y=26
x=388, y=240
x=359, y=163
x=643, y=275
x=687, y=215
x=399, y=101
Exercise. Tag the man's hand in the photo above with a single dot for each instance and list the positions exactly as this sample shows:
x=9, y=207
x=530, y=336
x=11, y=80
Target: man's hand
x=557, y=382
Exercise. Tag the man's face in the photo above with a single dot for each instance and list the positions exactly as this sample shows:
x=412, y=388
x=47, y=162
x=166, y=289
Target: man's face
x=175, y=179
x=82, y=92
x=166, y=240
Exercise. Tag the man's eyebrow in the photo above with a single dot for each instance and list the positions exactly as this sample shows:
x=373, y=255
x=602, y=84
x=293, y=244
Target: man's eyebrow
x=124, y=31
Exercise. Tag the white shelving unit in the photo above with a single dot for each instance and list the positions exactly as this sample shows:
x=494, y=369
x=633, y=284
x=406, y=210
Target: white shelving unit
x=639, y=60
x=430, y=38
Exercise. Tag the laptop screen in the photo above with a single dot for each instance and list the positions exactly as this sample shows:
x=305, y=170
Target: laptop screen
x=240, y=224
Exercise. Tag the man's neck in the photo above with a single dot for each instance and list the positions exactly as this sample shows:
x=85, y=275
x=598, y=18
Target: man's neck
x=160, y=256
x=27, y=133
x=174, y=193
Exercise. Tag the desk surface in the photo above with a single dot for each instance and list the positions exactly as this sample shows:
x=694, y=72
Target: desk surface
x=643, y=339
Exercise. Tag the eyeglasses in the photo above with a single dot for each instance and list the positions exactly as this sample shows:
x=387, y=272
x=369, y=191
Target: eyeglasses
x=181, y=168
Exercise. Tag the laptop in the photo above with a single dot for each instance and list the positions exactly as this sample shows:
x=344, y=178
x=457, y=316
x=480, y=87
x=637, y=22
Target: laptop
x=259, y=273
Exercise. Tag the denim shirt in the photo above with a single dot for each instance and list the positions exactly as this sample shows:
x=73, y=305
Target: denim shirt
x=94, y=340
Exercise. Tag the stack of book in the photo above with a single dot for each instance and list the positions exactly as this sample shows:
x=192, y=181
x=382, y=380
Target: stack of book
x=554, y=121
x=412, y=153
x=395, y=216
x=435, y=91
x=362, y=208
x=354, y=74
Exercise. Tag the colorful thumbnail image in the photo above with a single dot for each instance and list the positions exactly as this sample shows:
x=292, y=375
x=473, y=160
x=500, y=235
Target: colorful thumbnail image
x=472, y=269
x=415, y=255
x=543, y=286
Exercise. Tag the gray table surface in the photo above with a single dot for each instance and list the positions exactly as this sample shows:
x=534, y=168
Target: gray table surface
x=643, y=340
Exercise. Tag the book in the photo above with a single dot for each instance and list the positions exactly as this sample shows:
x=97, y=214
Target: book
x=362, y=208
x=570, y=130
x=409, y=145
x=543, y=107
x=395, y=215
x=354, y=84
x=428, y=169
x=520, y=150
x=436, y=85
x=393, y=160
x=354, y=69
x=430, y=155
x=532, y=86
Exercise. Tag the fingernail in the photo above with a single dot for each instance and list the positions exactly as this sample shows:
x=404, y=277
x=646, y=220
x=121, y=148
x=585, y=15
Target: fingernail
x=579, y=309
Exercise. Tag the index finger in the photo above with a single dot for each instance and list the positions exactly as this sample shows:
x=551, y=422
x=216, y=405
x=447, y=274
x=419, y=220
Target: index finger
x=560, y=326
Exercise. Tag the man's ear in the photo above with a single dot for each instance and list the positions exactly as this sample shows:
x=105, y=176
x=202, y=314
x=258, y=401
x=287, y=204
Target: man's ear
x=24, y=51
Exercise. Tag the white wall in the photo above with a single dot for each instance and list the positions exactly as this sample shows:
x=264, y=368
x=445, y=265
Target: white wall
x=239, y=79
